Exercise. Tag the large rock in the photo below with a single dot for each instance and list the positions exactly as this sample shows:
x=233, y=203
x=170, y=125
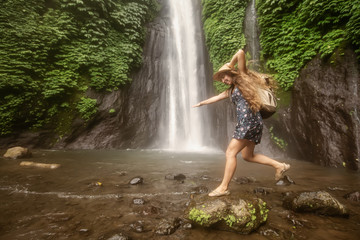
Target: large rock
x=316, y=202
x=323, y=120
x=228, y=213
x=17, y=152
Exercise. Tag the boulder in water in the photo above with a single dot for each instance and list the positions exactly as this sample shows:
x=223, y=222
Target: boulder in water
x=167, y=226
x=17, y=152
x=228, y=213
x=316, y=202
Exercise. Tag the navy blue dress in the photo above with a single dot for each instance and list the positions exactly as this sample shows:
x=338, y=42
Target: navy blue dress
x=249, y=125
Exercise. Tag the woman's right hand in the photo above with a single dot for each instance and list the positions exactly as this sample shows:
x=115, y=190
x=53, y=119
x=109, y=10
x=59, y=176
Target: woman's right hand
x=196, y=105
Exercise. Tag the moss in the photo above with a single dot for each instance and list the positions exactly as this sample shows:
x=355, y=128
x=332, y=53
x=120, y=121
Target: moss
x=281, y=143
x=199, y=216
x=263, y=211
x=230, y=220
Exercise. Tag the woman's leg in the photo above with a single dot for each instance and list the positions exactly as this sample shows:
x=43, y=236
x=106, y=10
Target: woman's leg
x=247, y=154
x=235, y=146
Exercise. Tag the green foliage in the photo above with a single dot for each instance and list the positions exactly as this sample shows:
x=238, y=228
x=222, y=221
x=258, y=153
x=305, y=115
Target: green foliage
x=294, y=31
x=223, y=25
x=52, y=51
x=199, y=216
x=230, y=220
x=87, y=108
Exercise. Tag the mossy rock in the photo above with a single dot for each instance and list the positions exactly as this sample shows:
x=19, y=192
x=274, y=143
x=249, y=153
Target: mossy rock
x=228, y=213
x=316, y=202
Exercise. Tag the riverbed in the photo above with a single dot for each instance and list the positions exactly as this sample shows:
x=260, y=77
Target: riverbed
x=89, y=196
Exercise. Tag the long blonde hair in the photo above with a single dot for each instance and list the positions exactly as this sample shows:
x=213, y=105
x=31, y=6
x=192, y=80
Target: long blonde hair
x=248, y=83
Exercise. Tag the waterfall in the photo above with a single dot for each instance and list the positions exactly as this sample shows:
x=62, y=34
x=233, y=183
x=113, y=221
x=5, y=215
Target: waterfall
x=182, y=127
x=251, y=30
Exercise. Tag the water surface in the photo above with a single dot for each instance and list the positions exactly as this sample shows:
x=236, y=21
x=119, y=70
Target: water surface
x=68, y=203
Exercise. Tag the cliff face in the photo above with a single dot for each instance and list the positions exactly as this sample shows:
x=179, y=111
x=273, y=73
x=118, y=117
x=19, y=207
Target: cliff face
x=323, y=121
x=134, y=122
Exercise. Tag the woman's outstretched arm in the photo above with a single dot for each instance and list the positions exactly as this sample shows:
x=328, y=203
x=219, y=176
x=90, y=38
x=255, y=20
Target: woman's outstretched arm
x=239, y=58
x=216, y=98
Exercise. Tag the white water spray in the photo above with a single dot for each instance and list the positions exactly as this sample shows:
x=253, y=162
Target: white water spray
x=184, y=128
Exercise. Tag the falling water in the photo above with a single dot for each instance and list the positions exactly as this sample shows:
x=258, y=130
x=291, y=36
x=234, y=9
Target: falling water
x=252, y=34
x=183, y=127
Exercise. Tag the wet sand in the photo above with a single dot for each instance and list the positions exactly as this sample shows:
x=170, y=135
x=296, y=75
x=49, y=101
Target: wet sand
x=89, y=196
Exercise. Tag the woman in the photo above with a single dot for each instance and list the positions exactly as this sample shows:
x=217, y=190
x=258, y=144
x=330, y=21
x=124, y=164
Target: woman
x=243, y=84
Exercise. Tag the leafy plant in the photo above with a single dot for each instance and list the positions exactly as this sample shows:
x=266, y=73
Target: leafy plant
x=52, y=51
x=295, y=31
x=223, y=26
x=87, y=108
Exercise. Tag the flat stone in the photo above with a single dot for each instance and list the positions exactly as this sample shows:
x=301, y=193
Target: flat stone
x=136, y=180
x=17, y=152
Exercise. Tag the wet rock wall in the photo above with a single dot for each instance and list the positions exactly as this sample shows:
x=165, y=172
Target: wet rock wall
x=323, y=121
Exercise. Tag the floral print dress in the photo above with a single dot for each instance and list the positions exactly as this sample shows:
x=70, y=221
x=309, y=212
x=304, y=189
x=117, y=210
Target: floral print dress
x=249, y=125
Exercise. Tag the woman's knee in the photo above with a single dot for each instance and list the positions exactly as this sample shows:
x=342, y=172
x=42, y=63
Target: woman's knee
x=230, y=153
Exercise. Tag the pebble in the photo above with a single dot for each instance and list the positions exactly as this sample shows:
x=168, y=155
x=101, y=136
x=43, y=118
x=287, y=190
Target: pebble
x=244, y=180
x=353, y=196
x=137, y=226
x=178, y=177
x=119, y=236
x=285, y=181
x=123, y=173
x=138, y=201
x=136, y=180
x=263, y=190
x=200, y=190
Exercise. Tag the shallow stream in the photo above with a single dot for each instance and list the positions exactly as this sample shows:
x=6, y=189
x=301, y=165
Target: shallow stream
x=89, y=196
